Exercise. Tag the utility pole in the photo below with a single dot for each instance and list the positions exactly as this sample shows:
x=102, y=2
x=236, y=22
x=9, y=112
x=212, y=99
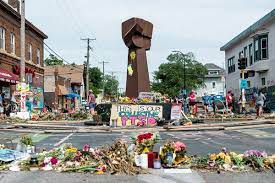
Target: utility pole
x=103, y=70
x=22, y=56
x=87, y=64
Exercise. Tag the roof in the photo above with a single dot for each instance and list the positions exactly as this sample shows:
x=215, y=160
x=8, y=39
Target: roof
x=75, y=73
x=211, y=66
x=29, y=25
x=250, y=30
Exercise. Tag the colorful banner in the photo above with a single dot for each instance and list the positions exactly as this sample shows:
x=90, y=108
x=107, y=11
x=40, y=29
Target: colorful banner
x=38, y=98
x=135, y=115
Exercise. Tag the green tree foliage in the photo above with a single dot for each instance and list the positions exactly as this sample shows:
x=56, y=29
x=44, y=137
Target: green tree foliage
x=95, y=77
x=111, y=85
x=53, y=60
x=169, y=78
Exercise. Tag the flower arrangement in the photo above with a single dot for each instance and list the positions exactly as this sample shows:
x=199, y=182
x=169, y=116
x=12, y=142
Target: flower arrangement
x=145, y=142
x=173, y=153
x=26, y=140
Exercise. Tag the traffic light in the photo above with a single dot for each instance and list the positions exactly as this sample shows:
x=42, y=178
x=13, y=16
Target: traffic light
x=242, y=63
x=248, y=74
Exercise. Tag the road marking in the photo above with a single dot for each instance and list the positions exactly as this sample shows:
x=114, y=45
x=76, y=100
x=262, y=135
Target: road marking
x=63, y=140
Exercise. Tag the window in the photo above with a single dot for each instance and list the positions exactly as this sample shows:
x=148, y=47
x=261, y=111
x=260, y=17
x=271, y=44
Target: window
x=250, y=58
x=2, y=38
x=29, y=78
x=30, y=52
x=264, y=48
x=231, y=65
x=263, y=81
x=248, y=84
x=240, y=54
x=213, y=84
x=213, y=72
x=38, y=57
x=261, y=48
x=245, y=55
x=12, y=43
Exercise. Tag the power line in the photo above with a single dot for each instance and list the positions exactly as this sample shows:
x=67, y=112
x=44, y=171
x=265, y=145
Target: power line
x=48, y=47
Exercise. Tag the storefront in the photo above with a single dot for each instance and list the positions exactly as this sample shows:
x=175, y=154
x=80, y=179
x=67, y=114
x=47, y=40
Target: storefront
x=8, y=81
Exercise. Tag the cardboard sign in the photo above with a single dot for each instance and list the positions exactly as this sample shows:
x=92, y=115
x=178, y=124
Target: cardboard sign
x=143, y=95
x=176, y=111
x=135, y=115
x=23, y=102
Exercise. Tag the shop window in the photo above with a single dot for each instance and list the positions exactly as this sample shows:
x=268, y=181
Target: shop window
x=2, y=38
x=29, y=78
x=12, y=43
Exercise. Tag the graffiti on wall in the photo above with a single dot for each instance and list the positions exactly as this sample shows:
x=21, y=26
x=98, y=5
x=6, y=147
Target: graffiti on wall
x=135, y=115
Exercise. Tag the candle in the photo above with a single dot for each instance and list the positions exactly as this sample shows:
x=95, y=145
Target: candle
x=157, y=164
x=150, y=160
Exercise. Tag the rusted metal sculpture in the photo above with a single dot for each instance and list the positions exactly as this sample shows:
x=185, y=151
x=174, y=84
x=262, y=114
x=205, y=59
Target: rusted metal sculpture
x=137, y=34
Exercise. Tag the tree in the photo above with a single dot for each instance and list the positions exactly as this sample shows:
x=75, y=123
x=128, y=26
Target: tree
x=95, y=77
x=53, y=60
x=169, y=78
x=111, y=85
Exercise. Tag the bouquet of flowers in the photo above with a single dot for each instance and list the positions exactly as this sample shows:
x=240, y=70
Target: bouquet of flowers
x=173, y=153
x=255, y=158
x=145, y=142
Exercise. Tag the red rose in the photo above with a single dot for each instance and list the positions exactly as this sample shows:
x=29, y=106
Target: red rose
x=54, y=160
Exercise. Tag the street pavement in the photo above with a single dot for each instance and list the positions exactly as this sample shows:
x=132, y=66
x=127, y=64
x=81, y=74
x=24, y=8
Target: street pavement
x=200, y=143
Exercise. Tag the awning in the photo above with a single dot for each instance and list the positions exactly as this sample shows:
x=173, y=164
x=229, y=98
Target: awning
x=8, y=76
x=72, y=95
x=62, y=90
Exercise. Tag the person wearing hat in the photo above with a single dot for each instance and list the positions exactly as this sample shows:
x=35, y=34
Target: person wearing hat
x=91, y=102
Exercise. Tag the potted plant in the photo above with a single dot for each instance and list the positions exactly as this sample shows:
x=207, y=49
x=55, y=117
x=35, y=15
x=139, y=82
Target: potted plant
x=27, y=144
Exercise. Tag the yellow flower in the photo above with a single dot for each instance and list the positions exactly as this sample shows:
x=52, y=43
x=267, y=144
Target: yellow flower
x=227, y=159
x=221, y=155
x=233, y=154
x=100, y=172
x=213, y=157
x=71, y=150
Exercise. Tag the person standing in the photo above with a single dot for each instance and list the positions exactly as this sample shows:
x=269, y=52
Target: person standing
x=229, y=101
x=192, y=102
x=91, y=102
x=206, y=102
x=260, y=103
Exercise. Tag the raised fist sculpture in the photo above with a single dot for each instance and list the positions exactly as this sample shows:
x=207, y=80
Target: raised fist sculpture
x=137, y=34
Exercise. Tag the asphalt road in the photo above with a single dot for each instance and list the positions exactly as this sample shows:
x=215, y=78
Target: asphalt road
x=200, y=143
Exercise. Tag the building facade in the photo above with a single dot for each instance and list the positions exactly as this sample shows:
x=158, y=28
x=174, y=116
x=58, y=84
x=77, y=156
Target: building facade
x=64, y=86
x=214, y=81
x=256, y=43
x=10, y=54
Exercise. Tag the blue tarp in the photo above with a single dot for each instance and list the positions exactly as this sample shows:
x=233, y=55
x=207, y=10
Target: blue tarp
x=8, y=155
x=72, y=95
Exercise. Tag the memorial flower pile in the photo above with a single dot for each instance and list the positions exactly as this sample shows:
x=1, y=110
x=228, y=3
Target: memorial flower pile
x=145, y=142
x=173, y=153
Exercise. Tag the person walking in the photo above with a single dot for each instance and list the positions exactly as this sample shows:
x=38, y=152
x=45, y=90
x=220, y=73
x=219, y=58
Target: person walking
x=260, y=103
x=192, y=102
x=91, y=102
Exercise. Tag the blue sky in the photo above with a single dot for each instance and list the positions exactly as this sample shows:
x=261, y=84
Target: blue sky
x=199, y=26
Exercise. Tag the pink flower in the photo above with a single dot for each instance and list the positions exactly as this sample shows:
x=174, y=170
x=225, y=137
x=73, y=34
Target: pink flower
x=179, y=146
x=86, y=148
x=54, y=160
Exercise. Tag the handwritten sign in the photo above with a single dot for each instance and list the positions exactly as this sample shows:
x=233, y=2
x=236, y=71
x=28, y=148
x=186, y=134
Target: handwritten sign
x=148, y=95
x=135, y=115
x=176, y=111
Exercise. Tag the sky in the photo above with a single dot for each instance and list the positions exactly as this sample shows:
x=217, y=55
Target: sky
x=198, y=26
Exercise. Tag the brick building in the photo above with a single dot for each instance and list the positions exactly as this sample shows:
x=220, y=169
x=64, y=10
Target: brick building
x=10, y=53
x=64, y=86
